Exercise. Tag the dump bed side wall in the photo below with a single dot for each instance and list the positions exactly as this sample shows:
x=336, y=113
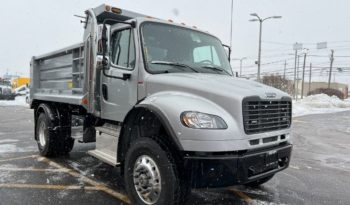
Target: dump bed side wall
x=59, y=76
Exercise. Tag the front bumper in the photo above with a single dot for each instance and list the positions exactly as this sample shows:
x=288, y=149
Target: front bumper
x=7, y=97
x=227, y=169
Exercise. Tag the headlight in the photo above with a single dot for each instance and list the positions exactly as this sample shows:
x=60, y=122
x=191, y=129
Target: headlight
x=200, y=120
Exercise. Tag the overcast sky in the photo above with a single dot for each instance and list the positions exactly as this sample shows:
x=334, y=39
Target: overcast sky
x=37, y=26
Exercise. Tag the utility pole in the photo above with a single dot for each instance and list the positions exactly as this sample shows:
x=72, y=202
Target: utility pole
x=330, y=69
x=296, y=47
x=240, y=68
x=302, y=82
x=284, y=71
x=297, y=91
x=240, y=64
x=310, y=77
x=231, y=32
x=295, y=73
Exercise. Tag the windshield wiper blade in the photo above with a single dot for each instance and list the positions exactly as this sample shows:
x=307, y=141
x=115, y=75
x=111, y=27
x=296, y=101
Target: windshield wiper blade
x=174, y=64
x=216, y=69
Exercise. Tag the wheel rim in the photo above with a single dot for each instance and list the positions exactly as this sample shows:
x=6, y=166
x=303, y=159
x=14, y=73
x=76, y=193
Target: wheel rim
x=42, y=139
x=147, y=179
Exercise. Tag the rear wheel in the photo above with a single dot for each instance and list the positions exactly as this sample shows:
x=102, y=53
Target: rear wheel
x=151, y=175
x=51, y=143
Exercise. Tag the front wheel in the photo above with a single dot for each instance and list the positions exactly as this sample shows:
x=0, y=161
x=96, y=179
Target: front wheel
x=151, y=175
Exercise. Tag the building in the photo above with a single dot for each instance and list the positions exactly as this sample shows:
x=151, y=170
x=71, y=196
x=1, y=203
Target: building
x=315, y=85
x=18, y=82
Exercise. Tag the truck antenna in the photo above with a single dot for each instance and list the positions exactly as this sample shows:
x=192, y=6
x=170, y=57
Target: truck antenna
x=82, y=17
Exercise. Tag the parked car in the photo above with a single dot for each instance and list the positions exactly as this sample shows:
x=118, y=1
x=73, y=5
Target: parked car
x=22, y=90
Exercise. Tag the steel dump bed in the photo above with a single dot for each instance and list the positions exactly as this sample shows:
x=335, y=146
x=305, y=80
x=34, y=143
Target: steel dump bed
x=59, y=76
x=66, y=75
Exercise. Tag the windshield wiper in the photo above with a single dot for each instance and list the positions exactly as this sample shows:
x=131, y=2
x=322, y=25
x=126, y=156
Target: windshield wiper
x=216, y=69
x=174, y=64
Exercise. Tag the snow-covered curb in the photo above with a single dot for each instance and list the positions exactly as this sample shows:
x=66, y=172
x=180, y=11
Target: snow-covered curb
x=318, y=104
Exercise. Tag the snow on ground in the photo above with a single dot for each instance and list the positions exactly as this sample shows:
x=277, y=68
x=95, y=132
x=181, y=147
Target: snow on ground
x=318, y=104
x=19, y=101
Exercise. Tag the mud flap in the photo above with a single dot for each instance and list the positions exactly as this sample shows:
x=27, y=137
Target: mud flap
x=89, y=132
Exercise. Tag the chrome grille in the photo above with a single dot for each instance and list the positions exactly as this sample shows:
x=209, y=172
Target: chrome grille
x=266, y=115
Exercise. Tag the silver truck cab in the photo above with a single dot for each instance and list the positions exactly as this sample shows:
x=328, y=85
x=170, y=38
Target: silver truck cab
x=160, y=101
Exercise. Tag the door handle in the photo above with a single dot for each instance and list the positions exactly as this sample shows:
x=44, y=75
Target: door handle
x=105, y=91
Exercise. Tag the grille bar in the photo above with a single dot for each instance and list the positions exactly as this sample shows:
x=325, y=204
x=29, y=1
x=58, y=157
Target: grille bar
x=266, y=115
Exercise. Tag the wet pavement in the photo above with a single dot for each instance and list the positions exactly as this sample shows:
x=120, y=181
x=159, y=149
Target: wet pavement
x=319, y=171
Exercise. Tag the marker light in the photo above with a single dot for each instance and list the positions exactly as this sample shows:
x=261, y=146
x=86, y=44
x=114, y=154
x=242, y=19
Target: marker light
x=116, y=10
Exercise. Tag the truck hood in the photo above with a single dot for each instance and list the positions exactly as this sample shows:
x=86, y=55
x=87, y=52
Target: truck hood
x=222, y=95
x=210, y=86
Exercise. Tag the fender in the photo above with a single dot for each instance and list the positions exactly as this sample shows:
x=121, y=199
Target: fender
x=125, y=140
x=60, y=119
x=164, y=121
x=170, y=106
x=48, y=110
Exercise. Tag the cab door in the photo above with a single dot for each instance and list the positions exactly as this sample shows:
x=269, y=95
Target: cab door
x=120, y=95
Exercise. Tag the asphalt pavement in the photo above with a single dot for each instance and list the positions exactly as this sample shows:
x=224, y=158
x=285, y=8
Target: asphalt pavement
x=319, y=172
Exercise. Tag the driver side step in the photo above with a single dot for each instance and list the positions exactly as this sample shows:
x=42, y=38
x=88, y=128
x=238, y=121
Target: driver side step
x=107, y=137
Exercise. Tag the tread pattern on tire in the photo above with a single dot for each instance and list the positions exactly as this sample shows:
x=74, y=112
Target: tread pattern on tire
x=57, y=143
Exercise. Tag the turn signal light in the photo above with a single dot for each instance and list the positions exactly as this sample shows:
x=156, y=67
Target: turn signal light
x=116, y=10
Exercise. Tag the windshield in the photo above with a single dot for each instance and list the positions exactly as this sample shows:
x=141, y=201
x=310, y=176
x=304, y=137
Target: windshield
x=170, y=48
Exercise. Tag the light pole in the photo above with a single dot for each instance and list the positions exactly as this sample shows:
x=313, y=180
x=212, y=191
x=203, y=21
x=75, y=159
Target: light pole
x=240, y=64
x=261, y=20
x=231, y=32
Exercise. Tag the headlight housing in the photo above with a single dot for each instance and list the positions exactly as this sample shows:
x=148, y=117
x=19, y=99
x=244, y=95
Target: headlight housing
x=198, y=120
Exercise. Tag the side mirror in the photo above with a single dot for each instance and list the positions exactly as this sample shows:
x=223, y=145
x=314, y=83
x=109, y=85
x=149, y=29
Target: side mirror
x=103, y=39
x=102, y=49
x=228, y=51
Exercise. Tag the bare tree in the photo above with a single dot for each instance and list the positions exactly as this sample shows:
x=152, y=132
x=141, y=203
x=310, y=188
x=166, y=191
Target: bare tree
x=277, y=81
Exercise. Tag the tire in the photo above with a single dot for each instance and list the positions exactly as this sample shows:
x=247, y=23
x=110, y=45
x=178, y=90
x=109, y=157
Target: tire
x=51, y=143
x=259, y=182
x=143, y=156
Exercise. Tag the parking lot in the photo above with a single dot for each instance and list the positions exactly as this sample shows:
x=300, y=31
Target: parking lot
x=318, y=174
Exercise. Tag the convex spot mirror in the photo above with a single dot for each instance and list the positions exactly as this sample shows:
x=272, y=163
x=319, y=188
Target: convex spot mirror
x=228, y=51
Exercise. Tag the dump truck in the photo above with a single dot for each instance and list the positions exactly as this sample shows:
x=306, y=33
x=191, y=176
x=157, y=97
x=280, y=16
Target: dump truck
x=6, y=90
x=159, y=100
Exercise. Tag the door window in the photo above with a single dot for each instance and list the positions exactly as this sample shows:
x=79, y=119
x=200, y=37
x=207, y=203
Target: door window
x=123, y=49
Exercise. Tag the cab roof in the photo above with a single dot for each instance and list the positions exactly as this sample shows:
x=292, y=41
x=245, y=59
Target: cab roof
x=105, y=11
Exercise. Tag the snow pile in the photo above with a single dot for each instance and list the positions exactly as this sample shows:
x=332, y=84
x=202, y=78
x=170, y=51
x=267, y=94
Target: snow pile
x=19, y=101
x=318, y=104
